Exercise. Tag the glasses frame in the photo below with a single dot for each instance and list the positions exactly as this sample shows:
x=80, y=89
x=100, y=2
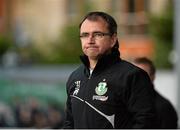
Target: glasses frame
x=95, y=35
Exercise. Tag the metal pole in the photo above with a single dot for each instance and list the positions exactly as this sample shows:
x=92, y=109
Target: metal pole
x=177, y=49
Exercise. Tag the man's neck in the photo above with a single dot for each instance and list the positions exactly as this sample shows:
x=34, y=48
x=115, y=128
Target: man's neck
x=92, y=63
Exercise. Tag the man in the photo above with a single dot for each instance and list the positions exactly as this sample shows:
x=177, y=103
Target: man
x=106, y=91
x=166, y=114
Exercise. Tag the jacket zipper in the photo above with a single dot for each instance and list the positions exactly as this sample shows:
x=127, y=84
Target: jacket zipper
x=89, y=76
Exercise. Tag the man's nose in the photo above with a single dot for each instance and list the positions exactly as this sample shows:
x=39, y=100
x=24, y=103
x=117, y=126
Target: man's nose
x=91, y=39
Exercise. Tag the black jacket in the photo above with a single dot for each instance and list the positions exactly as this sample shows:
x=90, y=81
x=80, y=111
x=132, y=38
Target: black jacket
x=116, y=95
x=166, y=114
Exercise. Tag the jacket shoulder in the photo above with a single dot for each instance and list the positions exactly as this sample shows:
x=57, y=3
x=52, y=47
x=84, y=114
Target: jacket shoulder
x=78, y=72
x=128, y=67
x=164, y=104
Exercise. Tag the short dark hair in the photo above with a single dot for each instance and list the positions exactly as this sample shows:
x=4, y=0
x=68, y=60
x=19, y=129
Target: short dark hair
x=93, y=16
x=144, y=60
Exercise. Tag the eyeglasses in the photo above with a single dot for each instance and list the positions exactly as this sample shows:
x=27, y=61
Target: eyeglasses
x=95, y=35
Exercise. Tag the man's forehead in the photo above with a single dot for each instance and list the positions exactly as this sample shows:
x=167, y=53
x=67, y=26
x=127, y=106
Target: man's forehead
x=98, y=24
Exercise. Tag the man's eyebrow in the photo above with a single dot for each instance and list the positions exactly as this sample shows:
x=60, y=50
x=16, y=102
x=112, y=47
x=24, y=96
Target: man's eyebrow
x=97, y=32
x=84, y=33
x=91, y=32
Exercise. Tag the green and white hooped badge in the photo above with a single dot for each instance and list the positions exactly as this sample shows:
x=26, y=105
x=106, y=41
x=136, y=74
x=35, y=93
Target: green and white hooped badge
x=101, y=89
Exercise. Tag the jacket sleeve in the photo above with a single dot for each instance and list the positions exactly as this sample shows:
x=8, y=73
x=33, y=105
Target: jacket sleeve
x=141, y=100
x=68, y=123
x=168, y=116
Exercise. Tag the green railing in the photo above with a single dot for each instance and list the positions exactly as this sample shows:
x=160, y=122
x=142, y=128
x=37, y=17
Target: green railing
x=11, y=90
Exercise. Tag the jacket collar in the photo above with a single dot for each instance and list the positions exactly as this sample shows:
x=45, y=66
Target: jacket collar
x=104, y=62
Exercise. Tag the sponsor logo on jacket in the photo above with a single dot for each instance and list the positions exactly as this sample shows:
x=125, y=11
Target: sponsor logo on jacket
x=77, y=84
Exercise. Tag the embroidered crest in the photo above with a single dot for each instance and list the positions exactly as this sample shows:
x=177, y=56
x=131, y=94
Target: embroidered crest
x=101, y=89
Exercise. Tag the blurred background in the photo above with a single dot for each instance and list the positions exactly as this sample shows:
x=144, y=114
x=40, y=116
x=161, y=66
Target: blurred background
x=40, y=47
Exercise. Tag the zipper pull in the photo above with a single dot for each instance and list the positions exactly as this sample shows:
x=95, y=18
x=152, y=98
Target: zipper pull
x=90, y=73
x=90, y=76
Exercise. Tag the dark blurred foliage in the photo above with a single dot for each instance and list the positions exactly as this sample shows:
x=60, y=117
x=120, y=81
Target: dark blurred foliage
x=69, y=48
x=5, y=44
x=161, y=28
x=66, y=50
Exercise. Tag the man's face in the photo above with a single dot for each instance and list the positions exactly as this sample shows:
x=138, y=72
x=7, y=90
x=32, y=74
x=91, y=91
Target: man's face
x=93, y=43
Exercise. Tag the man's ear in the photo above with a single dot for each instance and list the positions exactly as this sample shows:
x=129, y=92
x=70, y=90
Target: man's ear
x=114, y=39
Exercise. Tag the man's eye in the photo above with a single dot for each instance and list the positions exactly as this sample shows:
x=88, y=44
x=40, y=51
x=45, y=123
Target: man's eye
x=84, y=35
x=98, y=34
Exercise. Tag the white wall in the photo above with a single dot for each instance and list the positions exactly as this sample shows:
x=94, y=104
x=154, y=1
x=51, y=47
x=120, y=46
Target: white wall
x=166, y=85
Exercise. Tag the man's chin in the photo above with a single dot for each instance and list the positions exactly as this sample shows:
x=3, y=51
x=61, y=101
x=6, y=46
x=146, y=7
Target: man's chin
x=93, y=57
